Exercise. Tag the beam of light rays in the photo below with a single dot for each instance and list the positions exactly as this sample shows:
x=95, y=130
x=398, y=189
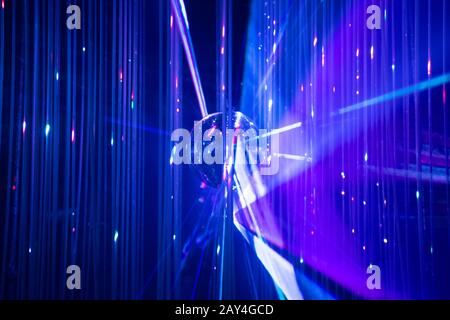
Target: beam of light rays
x=278, y=131
x=183, y=27
x=273, y=56
x=141, y=127
x=292, y=157
x=282, y=272
x=424, y=85
x=337, y=144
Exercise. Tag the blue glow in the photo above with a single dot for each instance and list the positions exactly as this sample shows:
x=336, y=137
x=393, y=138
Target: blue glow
x=428, y=84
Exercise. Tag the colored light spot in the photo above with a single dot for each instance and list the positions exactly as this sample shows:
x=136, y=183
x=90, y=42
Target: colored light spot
x=323, y=57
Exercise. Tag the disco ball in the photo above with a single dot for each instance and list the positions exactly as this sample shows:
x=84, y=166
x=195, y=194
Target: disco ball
x=212, y=174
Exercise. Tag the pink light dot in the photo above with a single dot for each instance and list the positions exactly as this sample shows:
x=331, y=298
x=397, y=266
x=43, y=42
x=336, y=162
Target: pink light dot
x=222, y=50
x=3, y=4
x=171, y=22
x=429, y=67
x=73, y=136
x=315, y=41
x=14, y=187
